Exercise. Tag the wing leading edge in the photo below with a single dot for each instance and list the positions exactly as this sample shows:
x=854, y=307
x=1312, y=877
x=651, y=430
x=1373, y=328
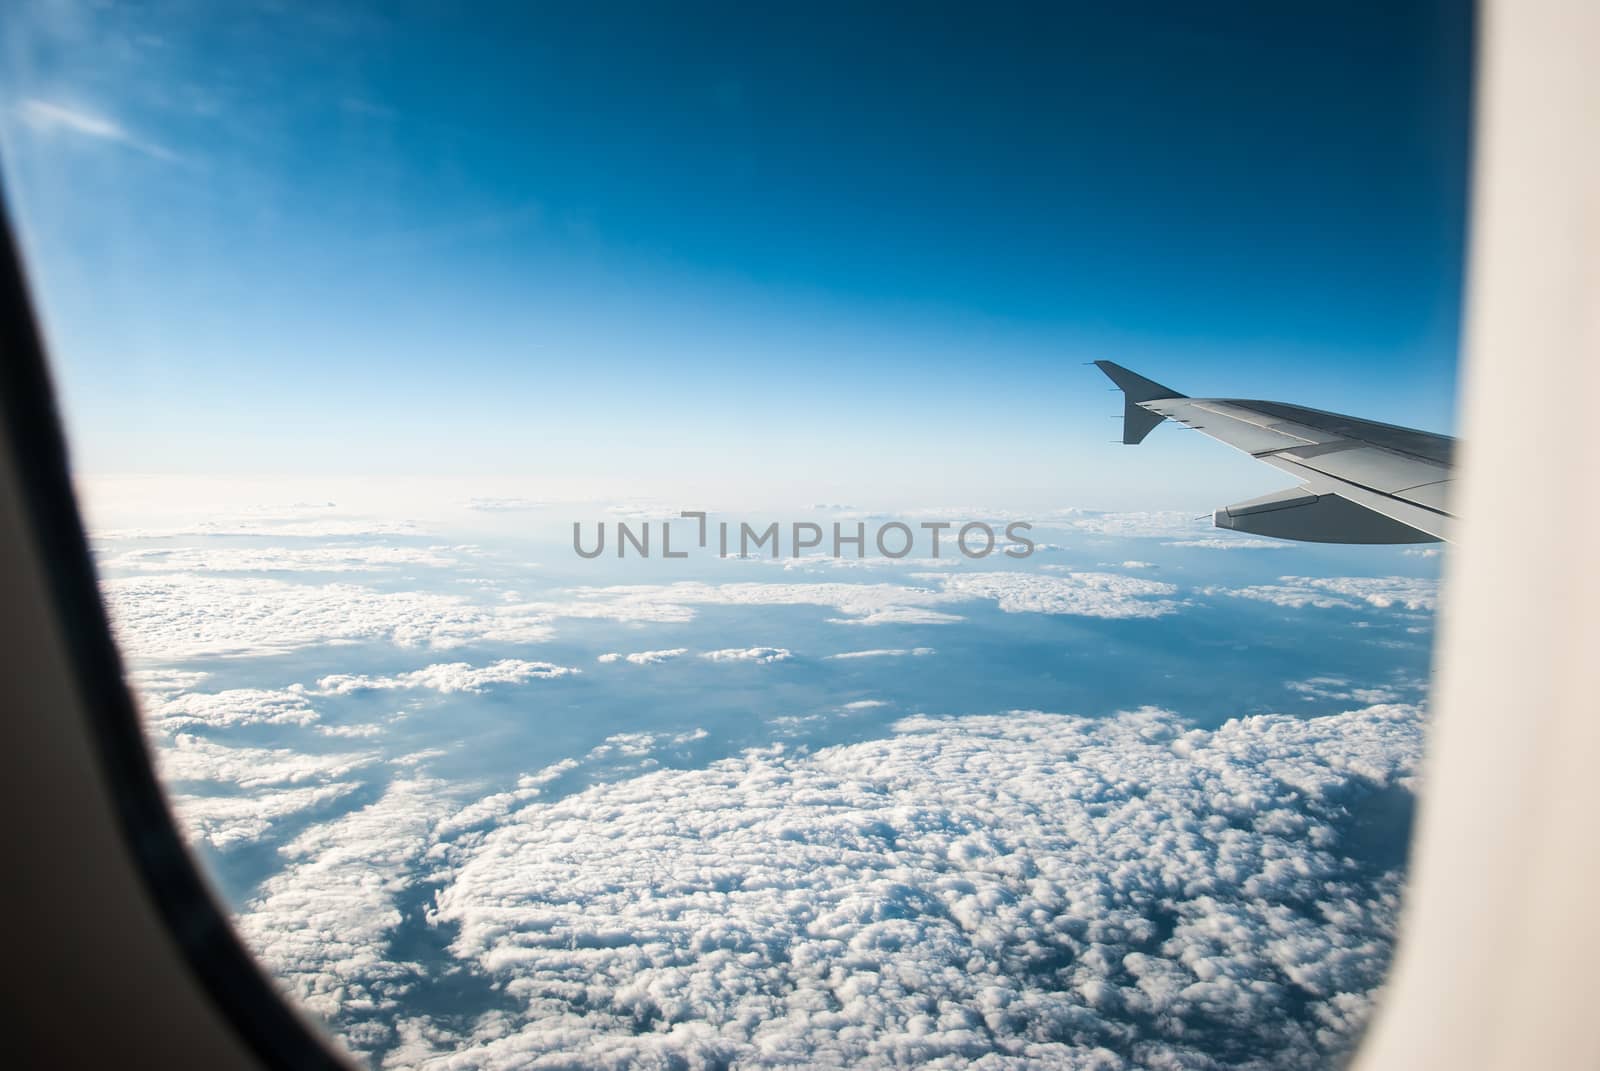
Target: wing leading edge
x=1360, y=481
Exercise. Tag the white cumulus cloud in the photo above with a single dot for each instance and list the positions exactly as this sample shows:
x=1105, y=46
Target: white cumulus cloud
x=173, y=617
x=1340, y=689
x=168, y=711
x=231, y=559
x=188, y=758
x=650, y=658
x=759, y=655
x=1170, y=524
x=1342, y=592
x=885, y=652
x=321, y=926
x=1231, y=543
x=228, y=821
x=1085, y=594
x=447, y=677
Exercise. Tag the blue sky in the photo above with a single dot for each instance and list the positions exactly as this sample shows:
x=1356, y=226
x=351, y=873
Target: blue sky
x=780, y=257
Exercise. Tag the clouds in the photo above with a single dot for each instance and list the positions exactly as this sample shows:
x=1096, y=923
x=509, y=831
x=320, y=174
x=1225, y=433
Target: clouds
x=758, y=655
x=247, y=791
x=632, y=747
x=329, y=559
x=675, y=603
x=1168, y=524
x=761, y=655
x=1340, y=689
x=504, y=505
x=162, y=682
x=225, y=822
x=1078, y=593
x=49, y=117
x=1231, y=543
x=202, y=613
x=1342, y=592
x=320, y=926
x=1035, y=888
x=690, y=882
x=188, y=758
x=447, y=677
x=885, y=652
x=188, y=616
x=168, y=710
x=268, y=524
x=808, y=562
x=645, y=658
x=1082, y=594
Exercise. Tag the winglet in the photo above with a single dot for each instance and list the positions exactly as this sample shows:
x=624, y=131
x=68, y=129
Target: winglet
x=1135, y=386
x=1137, y=422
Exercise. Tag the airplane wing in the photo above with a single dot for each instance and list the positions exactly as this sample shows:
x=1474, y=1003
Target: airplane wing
x=1360, y=481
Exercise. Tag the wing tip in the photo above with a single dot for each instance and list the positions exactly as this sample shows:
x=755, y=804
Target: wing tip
x=1137, y=421
x=1138, y=388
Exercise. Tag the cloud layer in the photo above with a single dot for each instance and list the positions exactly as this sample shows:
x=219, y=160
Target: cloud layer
x=1086, y=594
x=447, y=677
x=1342, y=592
x=885, y=652
x=181, y=616
x=1016, y=890
x=644, y=658
x=322, y=559
x=759, y=655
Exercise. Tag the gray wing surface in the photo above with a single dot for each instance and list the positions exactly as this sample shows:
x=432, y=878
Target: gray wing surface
x=1360, y=481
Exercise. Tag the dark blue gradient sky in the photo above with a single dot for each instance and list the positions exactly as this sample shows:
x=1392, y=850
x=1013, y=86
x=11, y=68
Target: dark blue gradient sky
x=747, y=247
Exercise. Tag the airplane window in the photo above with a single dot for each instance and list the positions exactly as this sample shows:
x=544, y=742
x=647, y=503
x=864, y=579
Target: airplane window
x=711, y=537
